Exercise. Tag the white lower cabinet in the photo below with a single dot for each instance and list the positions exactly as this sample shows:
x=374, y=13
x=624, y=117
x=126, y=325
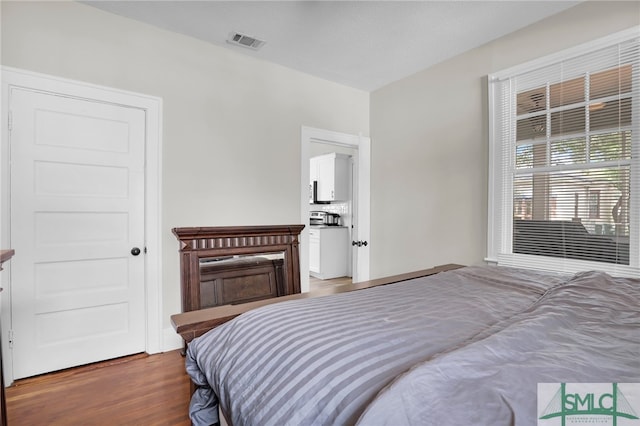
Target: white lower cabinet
x=314, y=251
x=328, y=252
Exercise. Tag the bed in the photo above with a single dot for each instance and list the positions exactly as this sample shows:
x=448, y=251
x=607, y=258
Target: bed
x=466, y=346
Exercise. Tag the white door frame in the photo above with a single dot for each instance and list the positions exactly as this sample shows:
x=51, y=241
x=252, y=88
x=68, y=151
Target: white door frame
x=12, y=77
x=363, y=146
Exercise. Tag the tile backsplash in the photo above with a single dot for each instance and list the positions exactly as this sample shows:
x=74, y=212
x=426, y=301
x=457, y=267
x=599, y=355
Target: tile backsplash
x=343, y=209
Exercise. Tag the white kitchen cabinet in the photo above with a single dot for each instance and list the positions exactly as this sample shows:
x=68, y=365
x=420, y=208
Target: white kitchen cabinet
x=328, y=251
x=313, y=177
x=314, y=251
x=332, y=172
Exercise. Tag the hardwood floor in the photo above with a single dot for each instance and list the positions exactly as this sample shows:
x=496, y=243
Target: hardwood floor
x=137, y=390
x=317, y=284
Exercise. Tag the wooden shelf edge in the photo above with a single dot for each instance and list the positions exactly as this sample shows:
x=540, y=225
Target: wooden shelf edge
x=6, y=255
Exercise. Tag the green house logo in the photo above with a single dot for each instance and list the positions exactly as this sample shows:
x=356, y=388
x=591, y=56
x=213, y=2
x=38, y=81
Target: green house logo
x=589, y=403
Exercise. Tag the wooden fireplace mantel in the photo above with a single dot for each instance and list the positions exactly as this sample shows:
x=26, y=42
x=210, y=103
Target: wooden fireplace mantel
x=230, y=237
x=246, y=278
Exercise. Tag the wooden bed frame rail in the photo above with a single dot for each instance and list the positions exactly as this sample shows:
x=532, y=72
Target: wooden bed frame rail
x=195, y=323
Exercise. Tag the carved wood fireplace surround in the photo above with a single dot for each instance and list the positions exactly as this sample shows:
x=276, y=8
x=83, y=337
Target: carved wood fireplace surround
x=237, y=264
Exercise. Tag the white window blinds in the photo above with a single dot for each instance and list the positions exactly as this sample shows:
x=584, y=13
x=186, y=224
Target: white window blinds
x=565, y=156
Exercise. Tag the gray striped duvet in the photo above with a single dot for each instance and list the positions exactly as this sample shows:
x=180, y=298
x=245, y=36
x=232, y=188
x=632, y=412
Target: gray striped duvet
x=321, y=361
x=586, y=330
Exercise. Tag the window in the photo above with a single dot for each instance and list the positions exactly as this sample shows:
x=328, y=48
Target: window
x=565, y=160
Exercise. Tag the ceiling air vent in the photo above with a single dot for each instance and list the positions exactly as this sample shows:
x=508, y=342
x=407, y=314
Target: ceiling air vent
x=245, y=41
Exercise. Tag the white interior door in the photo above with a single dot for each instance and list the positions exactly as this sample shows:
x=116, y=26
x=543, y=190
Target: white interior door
x=362, y=211
x=77, y=210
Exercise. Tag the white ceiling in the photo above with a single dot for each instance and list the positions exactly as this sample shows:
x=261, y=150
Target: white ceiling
x=362, y=44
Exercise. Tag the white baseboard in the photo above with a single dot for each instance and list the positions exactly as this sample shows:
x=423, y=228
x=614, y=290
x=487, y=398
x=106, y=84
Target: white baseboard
x=171, y=340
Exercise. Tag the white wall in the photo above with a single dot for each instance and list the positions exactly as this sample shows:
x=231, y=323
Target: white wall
x=430, y=143
x=231, y=123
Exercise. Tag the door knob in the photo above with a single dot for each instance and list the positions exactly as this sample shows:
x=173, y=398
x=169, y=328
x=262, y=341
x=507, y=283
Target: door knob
x=359, y=243
x=135, y=251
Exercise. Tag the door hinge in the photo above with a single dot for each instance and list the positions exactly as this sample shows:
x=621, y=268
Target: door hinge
x=11, y=338
x=10, y=121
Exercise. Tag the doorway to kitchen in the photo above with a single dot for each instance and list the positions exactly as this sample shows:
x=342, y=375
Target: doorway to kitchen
x=335, y=189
